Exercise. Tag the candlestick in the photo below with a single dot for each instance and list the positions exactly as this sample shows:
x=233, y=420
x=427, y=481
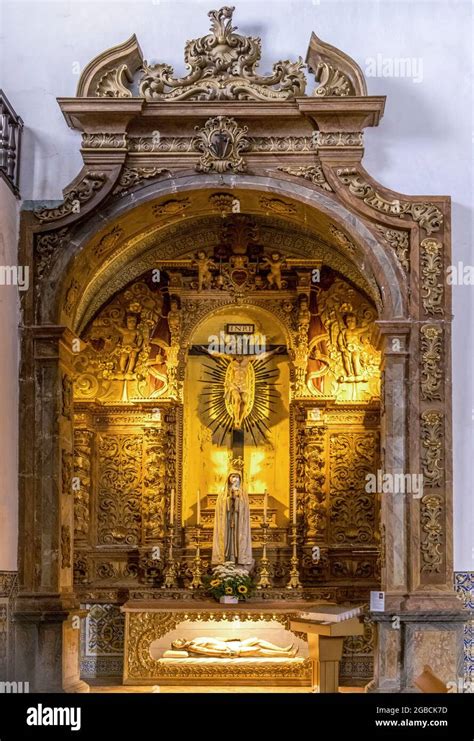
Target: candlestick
x=171, y=569
x=264, y=571
x=196, y=568
x=198, y=522
x=294, y=506
x=294, y=580
x=265, y=505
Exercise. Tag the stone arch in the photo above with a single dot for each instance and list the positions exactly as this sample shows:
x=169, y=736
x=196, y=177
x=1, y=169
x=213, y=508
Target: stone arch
x=382, y=266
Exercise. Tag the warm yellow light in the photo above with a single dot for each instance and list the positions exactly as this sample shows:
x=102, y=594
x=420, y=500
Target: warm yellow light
x=220, y=464
x=256, y=483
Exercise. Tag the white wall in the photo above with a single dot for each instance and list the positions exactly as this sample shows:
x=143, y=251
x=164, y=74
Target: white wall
x=9, y=317
x=423, y=145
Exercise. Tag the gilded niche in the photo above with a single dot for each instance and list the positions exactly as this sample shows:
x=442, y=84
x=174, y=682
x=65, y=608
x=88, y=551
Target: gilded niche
x=342, y=359
x=130, y=349
x=157, y=346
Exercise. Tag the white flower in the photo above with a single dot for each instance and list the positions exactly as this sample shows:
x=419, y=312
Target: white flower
x=230, y=570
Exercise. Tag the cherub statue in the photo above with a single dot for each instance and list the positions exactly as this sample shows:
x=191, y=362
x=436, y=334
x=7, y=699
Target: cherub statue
x=130, y=344
x=204, y=265
x=275, y=262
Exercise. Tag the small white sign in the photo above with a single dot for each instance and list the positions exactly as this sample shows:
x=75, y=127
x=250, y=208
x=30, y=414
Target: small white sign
x=377, y=601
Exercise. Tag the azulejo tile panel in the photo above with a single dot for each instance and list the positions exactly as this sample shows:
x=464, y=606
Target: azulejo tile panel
x=464, y=586
x=8, y=584
x=102, y=641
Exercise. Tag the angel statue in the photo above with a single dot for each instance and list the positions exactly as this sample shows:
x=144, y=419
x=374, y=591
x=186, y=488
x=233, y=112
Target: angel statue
x=276, y=263
x=130, y=343
x=204, y=265
x=232, y=540
x=352, y=344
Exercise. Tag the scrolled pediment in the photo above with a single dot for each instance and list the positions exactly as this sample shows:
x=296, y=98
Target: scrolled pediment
x=222, y=66
x=110, y=74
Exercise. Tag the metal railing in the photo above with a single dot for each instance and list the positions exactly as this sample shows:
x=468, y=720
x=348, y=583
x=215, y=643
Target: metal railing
x=11, y=127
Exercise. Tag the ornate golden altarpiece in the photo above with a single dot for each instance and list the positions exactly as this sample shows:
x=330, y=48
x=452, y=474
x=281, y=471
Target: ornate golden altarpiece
x=231, y=197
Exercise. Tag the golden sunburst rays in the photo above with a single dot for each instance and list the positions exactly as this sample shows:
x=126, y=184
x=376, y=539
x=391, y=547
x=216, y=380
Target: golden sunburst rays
x=240, y=394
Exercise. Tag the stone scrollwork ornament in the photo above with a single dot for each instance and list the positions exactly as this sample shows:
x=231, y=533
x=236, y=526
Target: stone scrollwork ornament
x=399, y=241
x=431, y=269
x=131, y=176
x=427, y=215
x=432, y=435
x=74, y=198
x=332, y=81
x=222, y=66
x=337, y=73
x=313, y=173
x=46, y=246
x=333, y=139
x=432, y=534
x=104, y=140
x=431, y=374
x=221, y=141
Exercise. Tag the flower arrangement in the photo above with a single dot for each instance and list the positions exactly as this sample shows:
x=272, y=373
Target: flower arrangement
x=229, y=580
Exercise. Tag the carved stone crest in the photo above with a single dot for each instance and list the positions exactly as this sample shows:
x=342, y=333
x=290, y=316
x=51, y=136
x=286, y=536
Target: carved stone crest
x=221, y=141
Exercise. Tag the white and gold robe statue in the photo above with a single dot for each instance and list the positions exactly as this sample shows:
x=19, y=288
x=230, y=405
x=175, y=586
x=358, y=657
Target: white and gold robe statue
x=232, y=540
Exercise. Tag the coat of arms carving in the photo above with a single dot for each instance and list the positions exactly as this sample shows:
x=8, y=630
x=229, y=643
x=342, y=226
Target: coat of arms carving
x=221, y=141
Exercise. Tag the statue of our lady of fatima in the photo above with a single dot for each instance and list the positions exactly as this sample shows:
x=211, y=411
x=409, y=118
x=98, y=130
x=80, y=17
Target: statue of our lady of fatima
x=232, y=540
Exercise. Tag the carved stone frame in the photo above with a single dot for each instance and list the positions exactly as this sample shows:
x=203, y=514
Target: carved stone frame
x=403, y=243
